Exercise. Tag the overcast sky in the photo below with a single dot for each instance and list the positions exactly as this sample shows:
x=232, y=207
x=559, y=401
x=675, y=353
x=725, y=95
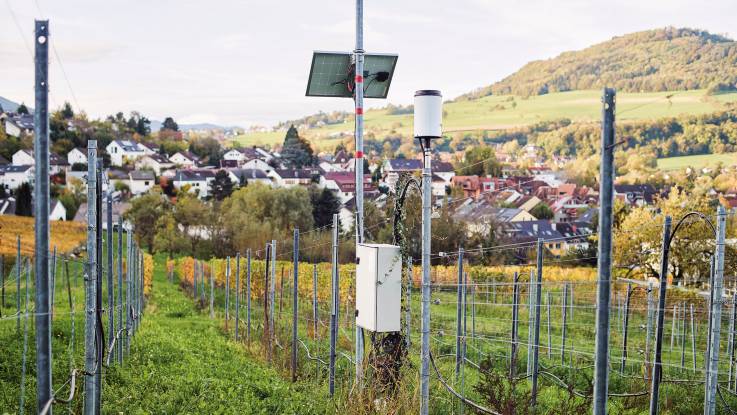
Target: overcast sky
x=244, y=62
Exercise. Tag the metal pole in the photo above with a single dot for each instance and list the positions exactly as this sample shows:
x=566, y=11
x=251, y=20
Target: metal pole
x=334, y=305
x=673, y=328
x=314, y=301
x=458, y=311
x=110, y=289
x=426, y=234
x=52, y=276
x=2, y=284
x=358, y=58
x=408, y=311
x=625, y=327
x=657, y=369
x=550, y=341
x=120, y=286
x=91, y=281
x=267, y=322
x=295, y=286
x=41, y=213
x=713, y=370
x=564, y=309
x=603, y=290
x=530, y=319
x=273, y=288
x=17, y=285
x=248, y=296
x=683, y=335
x=237, y=292
x=693, y=338
x=649, y=324
x=212, y=294
x=515, y=308
x=128, y=290
x=731, y=336
x=536, y=350
x=227, y=291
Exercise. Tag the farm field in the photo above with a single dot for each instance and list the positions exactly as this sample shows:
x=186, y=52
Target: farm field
x=503, y=112
x=65, y=236
x=697, y=161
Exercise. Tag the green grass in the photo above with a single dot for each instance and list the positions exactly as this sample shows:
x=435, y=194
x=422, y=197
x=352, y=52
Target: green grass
x=697, y=161
x=503, y=112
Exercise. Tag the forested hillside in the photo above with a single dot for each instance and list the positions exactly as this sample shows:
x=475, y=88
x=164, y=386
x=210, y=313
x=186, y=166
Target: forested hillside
x=666, y=59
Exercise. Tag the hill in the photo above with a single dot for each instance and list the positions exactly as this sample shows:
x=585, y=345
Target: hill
x=666, y=59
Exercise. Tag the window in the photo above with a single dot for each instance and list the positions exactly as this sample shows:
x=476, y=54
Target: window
x=146, y=183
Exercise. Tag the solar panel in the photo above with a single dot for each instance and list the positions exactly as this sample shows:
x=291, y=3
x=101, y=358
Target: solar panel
x=332, y=74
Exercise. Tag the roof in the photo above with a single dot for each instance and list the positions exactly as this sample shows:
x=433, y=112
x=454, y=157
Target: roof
x=159, y=158
x=188, y=155
x=341, y=157
x=151, y=146
x=128, y=145
x=142, y=175
x=193, y=175
x=548, y=231
x=24, y=121
x=12, y=168
x=297, y=173
x=7, y=206
x=57, y=160
x=251, y=174
x=405, y=164
x=442, y=167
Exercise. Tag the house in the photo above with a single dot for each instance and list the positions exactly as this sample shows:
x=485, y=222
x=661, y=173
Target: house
x=17, y=125
x=238, y=156
x=77, y=156
x=124, y=151
x=472, y=186
x=393, y=168
x=149, y=148
x=57, y=211
x=118, y=210
x=444, y=170
x=558, y=238
x=23, y=158
x=12, y=176
x=57, y=164
x=141, y=181
x=481, y=215
x=635, y=194
x=295, y=177
x=344, y=184
x=198, y=181
x=347, y=215
x=257, y=164
x=248, y=176
x=185, y=159
x=155, y=162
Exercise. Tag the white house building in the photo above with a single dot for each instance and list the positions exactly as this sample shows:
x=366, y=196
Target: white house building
x=57, y=211
x=185, y=159
x=155, y=162
x=257, y=164
x=293, y=177
x=12, y=176
x=17, y=125
x=141, y=181
x=197, y=180
x=249, y=176
x=23, y=158
x=77, y=156
x=123, y=151
x=57, y=164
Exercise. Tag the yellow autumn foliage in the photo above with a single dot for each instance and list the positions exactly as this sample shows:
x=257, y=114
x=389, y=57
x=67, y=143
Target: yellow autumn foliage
x=65, y=236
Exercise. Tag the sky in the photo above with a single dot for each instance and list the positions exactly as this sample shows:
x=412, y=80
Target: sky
x=245, y=63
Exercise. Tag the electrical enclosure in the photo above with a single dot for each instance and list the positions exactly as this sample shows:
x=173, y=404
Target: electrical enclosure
x=378, y=287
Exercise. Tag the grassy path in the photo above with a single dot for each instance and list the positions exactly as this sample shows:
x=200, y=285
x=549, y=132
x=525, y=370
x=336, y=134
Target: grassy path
x=182, y=362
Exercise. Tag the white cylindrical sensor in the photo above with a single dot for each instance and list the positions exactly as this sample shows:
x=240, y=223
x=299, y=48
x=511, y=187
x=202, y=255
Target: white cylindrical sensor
x=428, y=114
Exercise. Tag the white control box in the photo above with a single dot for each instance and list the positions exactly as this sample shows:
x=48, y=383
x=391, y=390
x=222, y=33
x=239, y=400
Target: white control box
x=378, y=287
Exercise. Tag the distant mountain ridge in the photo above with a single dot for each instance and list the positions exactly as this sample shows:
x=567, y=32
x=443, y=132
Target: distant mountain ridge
x=666, y=59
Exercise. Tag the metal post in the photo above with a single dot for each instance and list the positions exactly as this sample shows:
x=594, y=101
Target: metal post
x=25, y=345
x=426, y=234
x=515, y=308
x=683, y=335
x=713, y=370
x=536, y=350
x=334, y=305
x=52, y=276
x=530, y=319
x=657, y=369
x=128, y=290
x=120, y=286
x=91, y=281
x=564, y=309
x=408, y=310
x=237, y=292
x=314, y=301
x=673, y=328
x=41, y=213
x=649, y=324
x=248, y=296
x=273, y=288
x=212, y=293
x=17, y=285
x=550, y=341
x=202, y=281
x=731, y=337
x=195, y=267
x=693, y=338
x=459, y=304
x=110, y=290
x=295, y=286
x=606, y=199
x=2, y=284
x=625, y=327
x=227, y=291
x=267, y=322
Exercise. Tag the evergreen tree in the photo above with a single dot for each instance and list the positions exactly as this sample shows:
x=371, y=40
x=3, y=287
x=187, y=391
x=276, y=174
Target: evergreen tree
x=324, y=205
x=23, y=200
x=66, y=111
x=169, y=124
x=296, y=151
x=22, y=109
x=221, y=187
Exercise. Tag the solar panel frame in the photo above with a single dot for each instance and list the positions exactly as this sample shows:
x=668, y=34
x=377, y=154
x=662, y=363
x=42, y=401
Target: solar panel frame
x=320, y=82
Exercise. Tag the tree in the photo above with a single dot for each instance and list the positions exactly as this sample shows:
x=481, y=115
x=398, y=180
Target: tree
x=66, y=111
x=479, y=161
x=207, y=148
x=542, y=211
x=296, y=151
x=324, y=205
x=144, y=213
x=192, y=214
x=168, y=237
x=22, y=109
x=169, y=124
x=72, y=196
x=221, y=187
x=24, y=200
